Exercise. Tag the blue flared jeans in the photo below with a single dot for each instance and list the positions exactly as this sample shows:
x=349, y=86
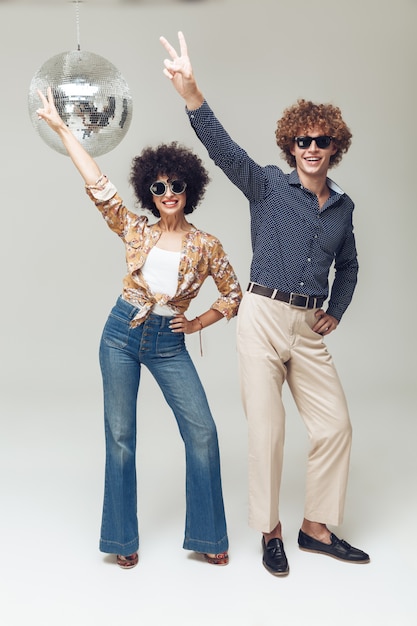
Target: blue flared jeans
x=123, y=351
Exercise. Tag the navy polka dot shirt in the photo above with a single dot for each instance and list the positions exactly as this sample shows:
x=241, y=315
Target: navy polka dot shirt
x=294, y=243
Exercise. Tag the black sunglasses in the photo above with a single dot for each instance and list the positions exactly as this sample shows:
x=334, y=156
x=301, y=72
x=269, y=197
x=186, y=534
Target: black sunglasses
x=322, y=142
x=159, y=187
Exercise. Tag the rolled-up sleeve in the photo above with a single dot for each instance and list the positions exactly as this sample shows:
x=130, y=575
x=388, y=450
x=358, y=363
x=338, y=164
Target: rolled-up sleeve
x=226, y=282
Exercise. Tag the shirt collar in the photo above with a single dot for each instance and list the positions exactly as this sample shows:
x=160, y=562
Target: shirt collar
x=294, y=179
x=334, y=187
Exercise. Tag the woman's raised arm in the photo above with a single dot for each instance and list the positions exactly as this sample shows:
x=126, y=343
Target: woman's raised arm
x=84, y=163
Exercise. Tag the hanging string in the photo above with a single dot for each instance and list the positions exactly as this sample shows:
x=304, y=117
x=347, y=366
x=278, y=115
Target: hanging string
x=77, y=20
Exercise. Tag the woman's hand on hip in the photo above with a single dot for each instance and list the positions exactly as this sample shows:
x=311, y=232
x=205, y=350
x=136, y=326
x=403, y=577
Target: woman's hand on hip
x=180, y=324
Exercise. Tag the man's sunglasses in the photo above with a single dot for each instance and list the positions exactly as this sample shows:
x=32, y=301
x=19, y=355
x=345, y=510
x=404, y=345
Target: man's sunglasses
x=159, y=188
x=322, y=142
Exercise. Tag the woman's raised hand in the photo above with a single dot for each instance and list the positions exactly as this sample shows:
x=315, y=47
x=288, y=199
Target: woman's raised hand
x=48, y=111
x=179, y=70
x=85, y=164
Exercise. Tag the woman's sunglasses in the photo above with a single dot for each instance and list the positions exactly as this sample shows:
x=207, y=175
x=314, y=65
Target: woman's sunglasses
x=159, y=188
x=322, y=142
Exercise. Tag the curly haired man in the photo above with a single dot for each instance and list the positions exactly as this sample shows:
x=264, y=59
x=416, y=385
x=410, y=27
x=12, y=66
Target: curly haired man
x=301, y=227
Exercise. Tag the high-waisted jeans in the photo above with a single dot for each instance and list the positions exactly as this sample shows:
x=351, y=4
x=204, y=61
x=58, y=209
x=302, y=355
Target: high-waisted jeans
x=123, y=351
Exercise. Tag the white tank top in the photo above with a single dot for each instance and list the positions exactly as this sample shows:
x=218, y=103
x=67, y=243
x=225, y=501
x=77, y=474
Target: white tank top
x=161, y=273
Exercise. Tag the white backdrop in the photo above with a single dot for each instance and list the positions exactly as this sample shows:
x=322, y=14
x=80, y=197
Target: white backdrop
x=61, y=268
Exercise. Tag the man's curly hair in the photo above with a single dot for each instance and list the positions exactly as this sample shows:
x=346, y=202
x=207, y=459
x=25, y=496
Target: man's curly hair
x=177, y=163
x=302, y=117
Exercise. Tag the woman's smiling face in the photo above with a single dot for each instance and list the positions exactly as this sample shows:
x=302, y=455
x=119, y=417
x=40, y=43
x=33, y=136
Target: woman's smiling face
x=169, y=204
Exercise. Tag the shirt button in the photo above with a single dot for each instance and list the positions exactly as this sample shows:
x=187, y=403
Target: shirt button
x=309, y=260
x=301, y=284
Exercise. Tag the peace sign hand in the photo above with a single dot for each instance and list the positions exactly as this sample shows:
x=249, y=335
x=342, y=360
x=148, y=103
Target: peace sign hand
x=48, y=111
x=180, y=72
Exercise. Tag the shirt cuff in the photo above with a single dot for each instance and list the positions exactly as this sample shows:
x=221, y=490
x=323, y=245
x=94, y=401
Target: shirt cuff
x=204, y=108
x=107, y=192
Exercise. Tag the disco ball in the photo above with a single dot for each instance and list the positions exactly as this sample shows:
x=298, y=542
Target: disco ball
x=91, y=96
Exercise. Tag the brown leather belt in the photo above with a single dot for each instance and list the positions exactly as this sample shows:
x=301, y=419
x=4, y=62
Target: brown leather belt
x=294, y=299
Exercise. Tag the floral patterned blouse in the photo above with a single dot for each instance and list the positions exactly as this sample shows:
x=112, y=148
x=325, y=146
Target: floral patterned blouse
x=202, y=255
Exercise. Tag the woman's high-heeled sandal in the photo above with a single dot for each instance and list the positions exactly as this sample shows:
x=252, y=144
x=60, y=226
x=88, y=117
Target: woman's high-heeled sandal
x=217, y=559
x=127, y=562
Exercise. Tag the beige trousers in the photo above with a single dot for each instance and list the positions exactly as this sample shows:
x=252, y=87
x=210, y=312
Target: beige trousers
x=276, y=344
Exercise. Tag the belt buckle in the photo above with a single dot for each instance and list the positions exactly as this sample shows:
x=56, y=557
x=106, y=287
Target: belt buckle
x=293, y=296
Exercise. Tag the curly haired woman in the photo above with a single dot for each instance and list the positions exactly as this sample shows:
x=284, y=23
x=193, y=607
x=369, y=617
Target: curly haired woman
x=167, y=262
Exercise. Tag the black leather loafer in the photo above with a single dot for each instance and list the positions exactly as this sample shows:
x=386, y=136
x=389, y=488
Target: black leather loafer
x=338, y=548
x=274, y=558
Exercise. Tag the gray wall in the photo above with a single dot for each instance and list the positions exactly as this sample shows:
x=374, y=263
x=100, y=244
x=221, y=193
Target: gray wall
x=61, y=269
